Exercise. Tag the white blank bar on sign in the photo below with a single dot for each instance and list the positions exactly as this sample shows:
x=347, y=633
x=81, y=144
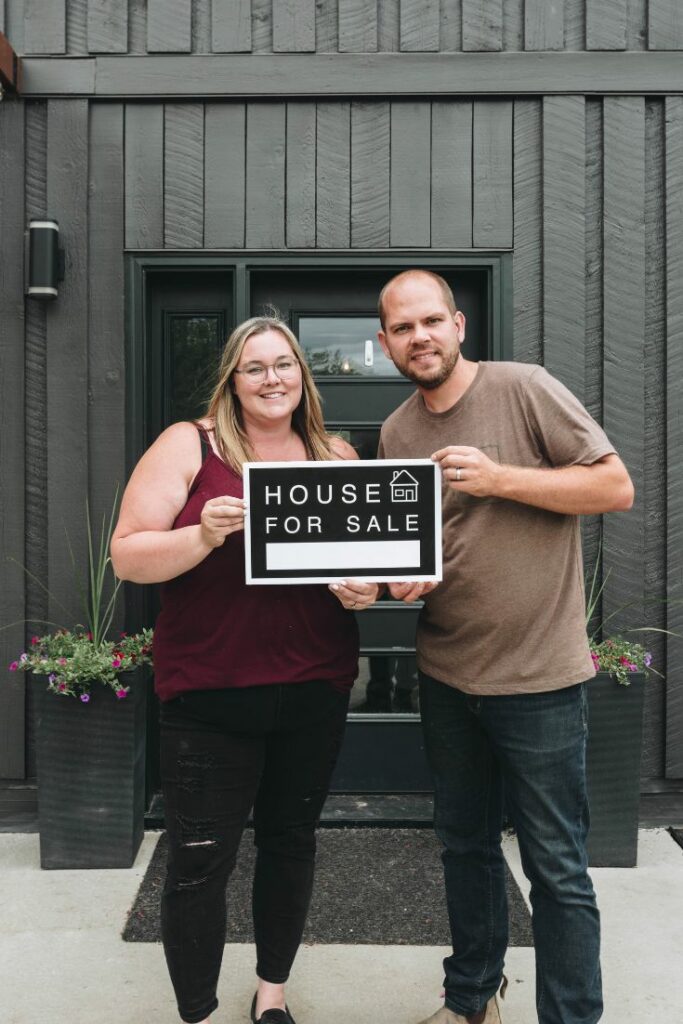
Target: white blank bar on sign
x=366, y=554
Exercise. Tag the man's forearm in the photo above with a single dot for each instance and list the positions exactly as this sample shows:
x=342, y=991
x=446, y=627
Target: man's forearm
x=571, y=490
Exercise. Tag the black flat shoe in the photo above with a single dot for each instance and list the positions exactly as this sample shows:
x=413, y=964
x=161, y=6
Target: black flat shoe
x=273, y=1016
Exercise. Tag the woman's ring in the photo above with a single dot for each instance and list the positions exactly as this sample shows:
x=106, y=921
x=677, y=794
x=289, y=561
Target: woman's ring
x=457, y=474
x=353, y=605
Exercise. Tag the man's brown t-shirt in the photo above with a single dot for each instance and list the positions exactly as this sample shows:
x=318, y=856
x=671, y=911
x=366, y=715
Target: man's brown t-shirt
x=509, y=616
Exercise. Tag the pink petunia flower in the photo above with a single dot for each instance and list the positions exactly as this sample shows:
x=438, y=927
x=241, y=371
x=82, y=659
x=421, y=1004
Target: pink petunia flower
x=14, y=666
x=61, y=661
x=116, y=662
x=85, y=697
x=23, y=657
x=35, y=640
x=62, y=687
x=121, y=694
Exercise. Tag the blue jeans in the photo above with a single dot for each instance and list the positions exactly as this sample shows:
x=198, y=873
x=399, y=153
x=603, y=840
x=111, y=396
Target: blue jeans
x=526, y=751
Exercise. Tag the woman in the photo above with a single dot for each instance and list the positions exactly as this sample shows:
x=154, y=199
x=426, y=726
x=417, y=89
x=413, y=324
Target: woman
x=254, y=681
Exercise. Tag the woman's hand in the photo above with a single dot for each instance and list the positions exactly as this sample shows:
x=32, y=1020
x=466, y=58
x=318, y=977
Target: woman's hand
x=221, y=517
x=355, y=595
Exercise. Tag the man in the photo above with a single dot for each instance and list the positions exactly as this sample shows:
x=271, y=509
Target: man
x=502, y=647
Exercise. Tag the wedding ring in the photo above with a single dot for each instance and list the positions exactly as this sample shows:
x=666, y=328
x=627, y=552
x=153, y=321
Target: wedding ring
x=457, y=474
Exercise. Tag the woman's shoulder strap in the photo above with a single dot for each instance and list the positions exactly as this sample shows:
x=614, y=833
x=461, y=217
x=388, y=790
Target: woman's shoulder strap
x=203, y=440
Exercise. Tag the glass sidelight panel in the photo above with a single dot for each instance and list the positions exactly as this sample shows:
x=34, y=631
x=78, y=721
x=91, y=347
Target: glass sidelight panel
x=343, y=346
x=386, y=684
x=190, y=362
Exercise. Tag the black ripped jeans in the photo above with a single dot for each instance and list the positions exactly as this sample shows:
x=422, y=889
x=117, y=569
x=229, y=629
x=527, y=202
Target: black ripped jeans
x=223, y=752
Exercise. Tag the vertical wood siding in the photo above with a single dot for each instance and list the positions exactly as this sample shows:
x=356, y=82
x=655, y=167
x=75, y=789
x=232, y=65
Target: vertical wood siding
x=35, y=548
x=593, y=262
x=12, y=609
x=343, y=26
x=564, y=244
x=528, y=271
x=360, y=174
x=327, y=27
x=231, y=26
x=265, y=206
x=293, y=26
x=419, y=25
x=654, y=461
x=482, y=24
x=492, y=174
x=389, y=26
x=144, y=176
x=107, y=26
x=301, y=166
x=357, y=26
x=606, y=24
x=45, y=26
x=544, y=25
x=665, y=25
x=410, y=175
x=370, y=175
x=674, y=427
x=452, y=175
x=224, y=175
x=184, y=176
x=624, y=328
x=106, y=329
x=67, y=355
x=333, y=176
x=169, y=26
x=77, y=27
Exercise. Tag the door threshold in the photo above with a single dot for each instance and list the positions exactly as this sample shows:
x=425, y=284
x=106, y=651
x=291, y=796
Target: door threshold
x=346, y=810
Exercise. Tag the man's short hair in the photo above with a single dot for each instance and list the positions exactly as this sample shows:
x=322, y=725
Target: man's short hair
x=444, y=287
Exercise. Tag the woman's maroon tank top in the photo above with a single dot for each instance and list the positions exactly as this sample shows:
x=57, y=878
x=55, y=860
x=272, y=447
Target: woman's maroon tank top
x=214, y=631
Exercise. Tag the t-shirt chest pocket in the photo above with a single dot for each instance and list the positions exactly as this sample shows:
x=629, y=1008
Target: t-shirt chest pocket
x=463, y=501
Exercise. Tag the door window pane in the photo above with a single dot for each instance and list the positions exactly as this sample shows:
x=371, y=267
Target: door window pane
x=385, y=685
x=364, y=439
x=343, y=346
x=192, y=352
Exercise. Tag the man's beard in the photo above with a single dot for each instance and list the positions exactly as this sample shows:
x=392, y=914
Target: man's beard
x=440, y=377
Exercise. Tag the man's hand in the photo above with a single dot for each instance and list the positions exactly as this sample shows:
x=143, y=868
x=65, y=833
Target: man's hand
x=468, y=470
x=410, y=592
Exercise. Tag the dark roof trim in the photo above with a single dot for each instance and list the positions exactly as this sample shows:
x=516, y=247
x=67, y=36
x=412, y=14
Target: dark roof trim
x=348, y=75
x=10, y=66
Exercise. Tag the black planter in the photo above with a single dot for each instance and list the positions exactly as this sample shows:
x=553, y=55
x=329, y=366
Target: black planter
x=615, y=725
x=91, y=777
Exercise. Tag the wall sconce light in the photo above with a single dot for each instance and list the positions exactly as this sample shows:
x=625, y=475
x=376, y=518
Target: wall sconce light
x=45, y=259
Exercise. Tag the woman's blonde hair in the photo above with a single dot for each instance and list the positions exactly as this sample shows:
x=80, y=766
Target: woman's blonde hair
x=225, y=410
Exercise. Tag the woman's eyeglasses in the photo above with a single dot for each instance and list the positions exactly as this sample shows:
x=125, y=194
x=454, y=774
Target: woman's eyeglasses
x=257, y=373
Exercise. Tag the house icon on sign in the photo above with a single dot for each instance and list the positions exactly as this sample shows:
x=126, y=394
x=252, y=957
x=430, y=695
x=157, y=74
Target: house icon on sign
x=403, y=486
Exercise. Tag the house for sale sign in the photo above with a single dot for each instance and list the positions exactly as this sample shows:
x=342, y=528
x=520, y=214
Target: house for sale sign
x=317, y=522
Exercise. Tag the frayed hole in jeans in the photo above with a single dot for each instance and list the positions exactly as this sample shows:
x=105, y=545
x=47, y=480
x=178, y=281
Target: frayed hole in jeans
x=197, y=831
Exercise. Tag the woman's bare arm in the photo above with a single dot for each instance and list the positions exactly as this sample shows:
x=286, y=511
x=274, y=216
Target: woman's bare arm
x=145, y=548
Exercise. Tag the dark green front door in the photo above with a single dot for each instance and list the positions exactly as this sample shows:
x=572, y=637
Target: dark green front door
x=332, y=309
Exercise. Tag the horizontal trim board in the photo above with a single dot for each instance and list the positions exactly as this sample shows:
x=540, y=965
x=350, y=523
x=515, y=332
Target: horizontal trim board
x=372, y=74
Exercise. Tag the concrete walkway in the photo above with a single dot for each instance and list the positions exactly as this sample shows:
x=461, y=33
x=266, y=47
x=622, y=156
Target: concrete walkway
x=62, y=960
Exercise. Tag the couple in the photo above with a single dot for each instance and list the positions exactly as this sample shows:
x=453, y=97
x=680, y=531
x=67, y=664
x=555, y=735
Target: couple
x=254, y=681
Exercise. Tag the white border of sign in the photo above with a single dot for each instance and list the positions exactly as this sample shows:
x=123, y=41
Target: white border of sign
x=370, y=577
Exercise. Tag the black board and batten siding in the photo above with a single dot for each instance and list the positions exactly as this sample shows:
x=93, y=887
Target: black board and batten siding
x=56, y=27
x=350, y=129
